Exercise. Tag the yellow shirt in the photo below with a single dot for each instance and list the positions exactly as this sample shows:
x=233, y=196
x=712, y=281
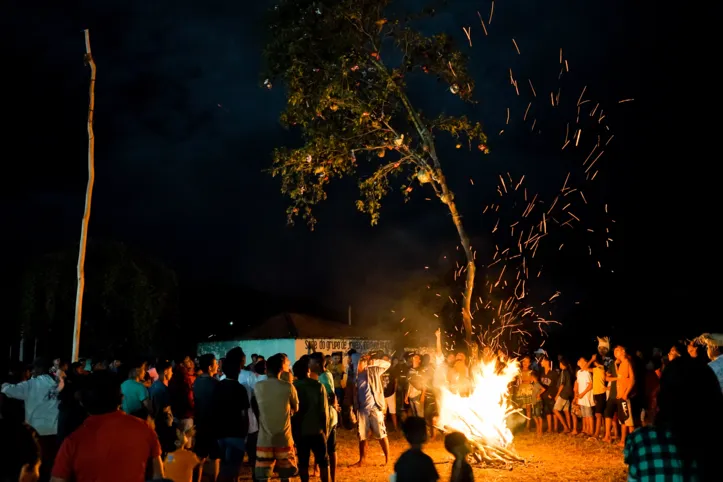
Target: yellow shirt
x=598, y=380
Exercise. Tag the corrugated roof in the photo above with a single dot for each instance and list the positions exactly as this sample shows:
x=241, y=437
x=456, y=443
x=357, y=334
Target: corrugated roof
x=294, y=325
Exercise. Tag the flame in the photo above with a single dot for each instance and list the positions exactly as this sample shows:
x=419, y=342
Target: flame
x=481, y=416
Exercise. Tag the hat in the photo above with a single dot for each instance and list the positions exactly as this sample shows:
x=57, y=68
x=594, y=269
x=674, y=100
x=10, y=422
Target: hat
x=540, y=351
x=603, y=342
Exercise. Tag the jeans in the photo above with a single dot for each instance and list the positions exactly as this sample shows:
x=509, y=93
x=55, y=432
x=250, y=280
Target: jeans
x=232, y=455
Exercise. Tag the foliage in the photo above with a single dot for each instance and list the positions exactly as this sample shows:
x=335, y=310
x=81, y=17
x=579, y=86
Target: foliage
x=346, y=65
x=127, y=298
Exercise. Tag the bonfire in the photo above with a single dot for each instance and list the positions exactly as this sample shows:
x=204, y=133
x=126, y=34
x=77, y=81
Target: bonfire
x=481, y=414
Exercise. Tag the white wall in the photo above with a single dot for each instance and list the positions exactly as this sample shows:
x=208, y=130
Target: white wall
x=327, y=345
x=261, y=347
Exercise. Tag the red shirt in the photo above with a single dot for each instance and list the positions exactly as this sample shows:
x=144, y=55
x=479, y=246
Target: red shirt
x=112, y=447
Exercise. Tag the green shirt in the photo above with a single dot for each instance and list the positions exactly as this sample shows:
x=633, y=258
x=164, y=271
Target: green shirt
x=311, y=419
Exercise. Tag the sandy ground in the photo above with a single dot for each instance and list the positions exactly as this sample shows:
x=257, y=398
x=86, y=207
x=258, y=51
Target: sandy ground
x=550, y=457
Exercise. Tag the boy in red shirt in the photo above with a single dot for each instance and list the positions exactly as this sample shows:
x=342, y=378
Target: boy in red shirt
x=110, y=445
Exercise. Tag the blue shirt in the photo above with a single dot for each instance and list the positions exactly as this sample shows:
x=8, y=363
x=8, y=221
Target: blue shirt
x=134, y=394
x=366, y=399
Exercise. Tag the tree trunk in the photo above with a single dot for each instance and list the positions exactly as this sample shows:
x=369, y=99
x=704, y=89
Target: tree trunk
x=447, y=198
x=88, y=197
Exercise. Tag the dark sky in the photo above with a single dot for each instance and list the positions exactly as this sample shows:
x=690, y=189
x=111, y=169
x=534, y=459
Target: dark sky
x=183, y=132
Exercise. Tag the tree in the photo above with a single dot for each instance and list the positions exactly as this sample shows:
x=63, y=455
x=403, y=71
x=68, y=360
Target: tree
x=345, y=65
x=127, y=299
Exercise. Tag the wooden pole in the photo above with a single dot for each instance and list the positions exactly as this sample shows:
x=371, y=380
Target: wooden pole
x=88, y=196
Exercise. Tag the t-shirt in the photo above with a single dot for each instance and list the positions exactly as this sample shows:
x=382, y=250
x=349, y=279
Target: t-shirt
x=536, y=389
x=584, y=379
x=364, y=393
x=203, y=392
x=550, y=381
x=462, y=472
x=113, y=447
x=249, y=379
x=311, y=419
x=134, y=394
x=415, y=466
x=568, y=391
x=160, y=398
x=179, y=466
x=389, y=382
x=276, y=401
x=231, y=408
x=598, y=380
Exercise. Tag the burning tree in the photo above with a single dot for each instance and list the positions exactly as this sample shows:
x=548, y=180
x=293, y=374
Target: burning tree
x=345, y=64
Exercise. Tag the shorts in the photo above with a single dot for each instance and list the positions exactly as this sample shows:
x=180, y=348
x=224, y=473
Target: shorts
x=372, y=425
x=306, y=444
x=537, y=409
x=625, y=412
x=548, y=405
x=586, y=411
x=205, y=444
x=391, y=402
x=599, y=401
x=561, y=405
x=283, y=457
x=611, y=408
x=331, y=441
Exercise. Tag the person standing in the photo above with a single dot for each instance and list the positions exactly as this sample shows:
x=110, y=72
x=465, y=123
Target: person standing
x=40, y=395
x=274, y=402
x=231, y=408
x=310, y=423
x=204, y=413
x=369, y=403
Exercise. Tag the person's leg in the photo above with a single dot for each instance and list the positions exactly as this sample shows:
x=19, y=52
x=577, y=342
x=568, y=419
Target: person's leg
x=379, y=432
x=251, y=440
x=318, y=447
x=285, y=458
x=547, y=406
x=574, y=425
x=364, y=430
x=528, y=412
x=384, y=443
x=331, y=450
x=568, y=417
x=303, y=456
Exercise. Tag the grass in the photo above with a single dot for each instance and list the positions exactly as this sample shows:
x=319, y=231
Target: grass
x=550, y=457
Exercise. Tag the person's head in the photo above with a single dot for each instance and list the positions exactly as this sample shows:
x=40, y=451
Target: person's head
x=564, y=365
x=260, y=358
x=164, y=370
x=285, y=362
x=137, y=369
x=235, y=360
x=189, y=364
x=545, y=363
x=362, y=364
x=461, y=357
x=603, y=346
x=620, y=353
x=301, y=367
x=526, y=362
x=386, y=358
x=581, y=363
x=689, y=387
x=254, y=357
x=450, y=359
x=77, y=368
x=415, y=430
x=336, y=356
x=416, y=361
x=274, y=365
x=315, y=363
x=185, y=438
x=260, y=367
x=208, y=364
x=40, y=367
x=676, y=351
x=456, y=444
x=101, y=394
x=426, y=359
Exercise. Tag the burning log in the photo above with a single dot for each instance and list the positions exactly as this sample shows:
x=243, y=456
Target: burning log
x=486, y=453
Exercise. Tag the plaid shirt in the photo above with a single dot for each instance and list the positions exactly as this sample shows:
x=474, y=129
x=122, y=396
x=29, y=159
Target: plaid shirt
x=651, y=456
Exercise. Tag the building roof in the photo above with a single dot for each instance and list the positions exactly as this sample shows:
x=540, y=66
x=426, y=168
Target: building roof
x=294, y=325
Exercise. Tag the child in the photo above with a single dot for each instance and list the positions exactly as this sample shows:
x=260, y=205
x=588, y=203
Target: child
x=456, y=444
x=181, y=463
x=414, y=465
x=583, y=397
x=564, y=396
x=537, y=390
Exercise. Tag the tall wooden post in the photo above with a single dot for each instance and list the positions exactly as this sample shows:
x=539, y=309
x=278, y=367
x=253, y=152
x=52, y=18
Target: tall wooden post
x=88, y=196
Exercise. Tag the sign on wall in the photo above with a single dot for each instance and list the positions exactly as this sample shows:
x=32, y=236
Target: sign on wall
x=327, y=346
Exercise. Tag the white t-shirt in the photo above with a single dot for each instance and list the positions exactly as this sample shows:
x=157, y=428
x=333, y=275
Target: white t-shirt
x=584, y=380
x=249, y=379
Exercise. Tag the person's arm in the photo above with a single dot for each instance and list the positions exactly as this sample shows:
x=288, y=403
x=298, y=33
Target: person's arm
x=157, y=467
x=631, y=376
x=19, y=391
x=293, y=400
x=561, y=383
x=574, y=389
x=324, y=408
x=255, y=406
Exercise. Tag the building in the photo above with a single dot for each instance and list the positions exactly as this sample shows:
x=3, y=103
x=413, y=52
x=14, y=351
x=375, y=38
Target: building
x=297, y=335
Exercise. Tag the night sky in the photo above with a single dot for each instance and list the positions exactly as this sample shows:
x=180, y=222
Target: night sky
x=184, y=130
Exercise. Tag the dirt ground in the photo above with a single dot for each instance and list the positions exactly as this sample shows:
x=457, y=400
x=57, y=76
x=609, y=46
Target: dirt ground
x=551, y=457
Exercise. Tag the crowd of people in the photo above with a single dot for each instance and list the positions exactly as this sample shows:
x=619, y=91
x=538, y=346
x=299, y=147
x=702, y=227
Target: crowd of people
x=203, y=418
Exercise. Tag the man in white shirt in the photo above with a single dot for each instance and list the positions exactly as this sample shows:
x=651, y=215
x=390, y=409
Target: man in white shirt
x=40, y=395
